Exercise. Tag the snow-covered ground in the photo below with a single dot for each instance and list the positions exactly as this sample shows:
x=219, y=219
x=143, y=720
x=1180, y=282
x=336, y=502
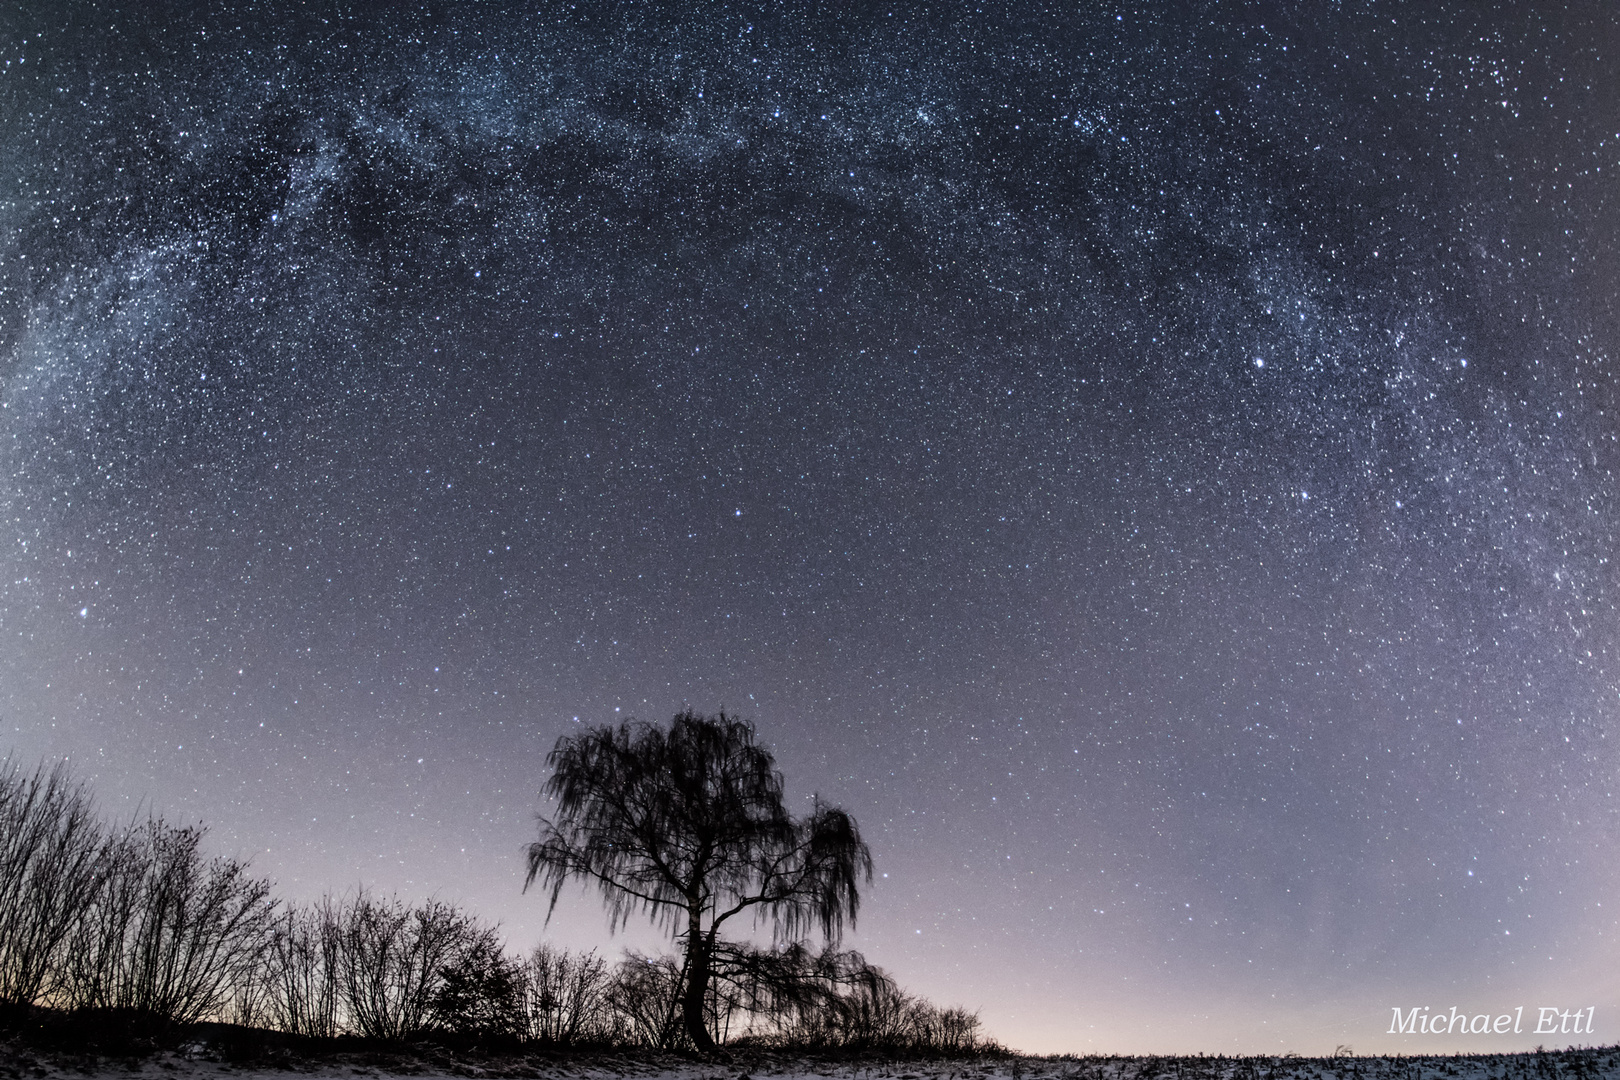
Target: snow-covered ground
x=200, y=1062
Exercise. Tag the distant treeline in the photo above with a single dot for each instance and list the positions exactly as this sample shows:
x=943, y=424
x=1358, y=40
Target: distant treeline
x=133, y=926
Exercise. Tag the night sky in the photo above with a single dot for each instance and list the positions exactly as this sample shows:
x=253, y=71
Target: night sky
x=1155, y=468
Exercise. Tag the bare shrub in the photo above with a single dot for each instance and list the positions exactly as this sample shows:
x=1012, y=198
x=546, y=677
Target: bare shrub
x=955, y=1031
x=756, y=994
x=393, y=961
x=99, y=940
x=480, y=989
x=49, y=876
x=566, y=998
x=388, y=966
x=170, y=937
x=873, y=1012
x=790, y=996
x=876, y=1013
x=645, y=996
x=247, y=1003
x=302, y=969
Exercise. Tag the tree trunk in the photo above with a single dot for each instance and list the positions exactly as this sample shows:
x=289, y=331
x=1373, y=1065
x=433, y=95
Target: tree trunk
x=697, y=985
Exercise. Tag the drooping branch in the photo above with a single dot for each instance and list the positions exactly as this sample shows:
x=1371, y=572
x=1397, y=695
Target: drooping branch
x=688, y=826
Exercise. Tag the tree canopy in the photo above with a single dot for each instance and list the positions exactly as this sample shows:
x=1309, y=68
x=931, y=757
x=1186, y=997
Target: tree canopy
x=686, y=825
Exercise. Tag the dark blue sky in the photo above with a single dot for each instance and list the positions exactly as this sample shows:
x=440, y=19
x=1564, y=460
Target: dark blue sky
x=1154, y=468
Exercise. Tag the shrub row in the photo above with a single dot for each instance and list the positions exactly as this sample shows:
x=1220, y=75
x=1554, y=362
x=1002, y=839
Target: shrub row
x=133, y=924
x=131, y=919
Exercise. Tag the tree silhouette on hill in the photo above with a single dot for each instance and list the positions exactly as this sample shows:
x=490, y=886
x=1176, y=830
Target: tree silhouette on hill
x=687, y=826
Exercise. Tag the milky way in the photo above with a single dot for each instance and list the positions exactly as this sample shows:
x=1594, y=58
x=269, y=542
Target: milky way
x=1155, y=469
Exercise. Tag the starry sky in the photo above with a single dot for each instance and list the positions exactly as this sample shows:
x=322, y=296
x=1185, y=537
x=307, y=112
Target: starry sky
x=1153, y=465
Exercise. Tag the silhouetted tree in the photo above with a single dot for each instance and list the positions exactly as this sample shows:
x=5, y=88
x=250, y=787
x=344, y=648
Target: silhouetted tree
x=49, y=876
x=565, y=997
x=171, y=935
x=480, y=990
x=393, y=962
x=303, y=970
x=687, y=826
x=644, y=996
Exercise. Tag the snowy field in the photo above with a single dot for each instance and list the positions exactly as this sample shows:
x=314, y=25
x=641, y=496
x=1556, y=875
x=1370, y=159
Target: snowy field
x=200, y=1062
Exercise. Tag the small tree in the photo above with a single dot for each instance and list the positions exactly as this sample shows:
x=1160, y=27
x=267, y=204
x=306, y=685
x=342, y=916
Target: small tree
x=687, y=826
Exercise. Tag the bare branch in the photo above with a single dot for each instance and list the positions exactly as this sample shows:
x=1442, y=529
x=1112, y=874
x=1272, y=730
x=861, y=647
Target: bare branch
x=688, y=826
